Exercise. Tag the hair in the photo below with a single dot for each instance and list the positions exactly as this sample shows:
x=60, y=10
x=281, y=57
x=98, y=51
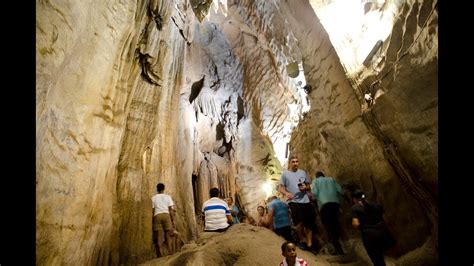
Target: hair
x=284, y=245
x=358, y=194
x=292, y=157
x=289, y=161
x=260, y=206
x=160, y=187
x=214, y=192
x=271, y=198
x=319, y=173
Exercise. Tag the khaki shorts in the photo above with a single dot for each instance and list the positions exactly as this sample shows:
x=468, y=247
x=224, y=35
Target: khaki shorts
x=161, y=221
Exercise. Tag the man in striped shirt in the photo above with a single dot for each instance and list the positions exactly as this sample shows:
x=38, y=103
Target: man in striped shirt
x=216, y=212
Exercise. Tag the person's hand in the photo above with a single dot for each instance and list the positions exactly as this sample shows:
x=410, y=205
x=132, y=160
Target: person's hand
x=290, y=196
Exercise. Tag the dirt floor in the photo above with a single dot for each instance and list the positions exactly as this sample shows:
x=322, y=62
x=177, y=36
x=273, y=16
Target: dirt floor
x=244, y=244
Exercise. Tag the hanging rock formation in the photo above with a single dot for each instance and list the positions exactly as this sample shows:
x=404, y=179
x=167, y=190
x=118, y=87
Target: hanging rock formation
x=195, y=94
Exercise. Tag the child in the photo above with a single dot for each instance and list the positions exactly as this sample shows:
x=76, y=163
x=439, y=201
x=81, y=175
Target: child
x=289, y=252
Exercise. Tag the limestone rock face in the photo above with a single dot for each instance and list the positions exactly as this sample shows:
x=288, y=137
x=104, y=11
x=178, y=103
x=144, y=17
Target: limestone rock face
x=387, y=146
x=104, y=73
x=196, y=94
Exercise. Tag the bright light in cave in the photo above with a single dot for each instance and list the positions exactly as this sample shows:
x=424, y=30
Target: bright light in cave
x=295, y=112
x=354, y=27
x=267, y=188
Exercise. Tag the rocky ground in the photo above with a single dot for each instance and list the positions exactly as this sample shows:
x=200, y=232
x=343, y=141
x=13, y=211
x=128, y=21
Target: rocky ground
x=245, y=244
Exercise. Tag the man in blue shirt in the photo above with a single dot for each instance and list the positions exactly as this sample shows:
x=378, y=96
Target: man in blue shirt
x=294, y=184
x=280, y=216
x=326, y=191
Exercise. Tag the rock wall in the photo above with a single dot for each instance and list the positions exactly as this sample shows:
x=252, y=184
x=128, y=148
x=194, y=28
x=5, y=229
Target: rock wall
x=196, y=94
x=387, y=146
x=106, y=73
x=144, y=95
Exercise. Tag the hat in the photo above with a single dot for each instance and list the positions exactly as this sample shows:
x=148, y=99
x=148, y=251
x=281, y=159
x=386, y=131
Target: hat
x=358, y=194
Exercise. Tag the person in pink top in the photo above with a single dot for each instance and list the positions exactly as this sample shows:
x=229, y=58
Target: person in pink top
x=288, y=250
x=262, y=217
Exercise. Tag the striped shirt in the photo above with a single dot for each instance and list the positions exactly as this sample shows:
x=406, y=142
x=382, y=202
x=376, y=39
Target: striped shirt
x=215, y=212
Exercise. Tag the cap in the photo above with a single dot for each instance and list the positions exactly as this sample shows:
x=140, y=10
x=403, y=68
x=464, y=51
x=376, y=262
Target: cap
x=358, y=194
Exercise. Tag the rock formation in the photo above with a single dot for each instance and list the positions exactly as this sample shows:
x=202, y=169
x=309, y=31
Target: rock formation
x=197, y=94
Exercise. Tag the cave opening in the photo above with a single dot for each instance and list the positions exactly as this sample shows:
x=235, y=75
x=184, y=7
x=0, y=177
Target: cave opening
x=196, y=194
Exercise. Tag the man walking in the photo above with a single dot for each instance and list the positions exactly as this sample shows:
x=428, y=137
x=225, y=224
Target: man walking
x=326, y=191
x=294, y=184
x=163, y=219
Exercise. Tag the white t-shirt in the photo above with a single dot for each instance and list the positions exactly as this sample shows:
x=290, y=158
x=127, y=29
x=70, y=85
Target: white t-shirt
x=161, y=202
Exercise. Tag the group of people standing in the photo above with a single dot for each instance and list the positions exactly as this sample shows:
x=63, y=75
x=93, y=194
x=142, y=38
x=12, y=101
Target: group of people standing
x=306, y=198
x=294, y=220
x=322, y=195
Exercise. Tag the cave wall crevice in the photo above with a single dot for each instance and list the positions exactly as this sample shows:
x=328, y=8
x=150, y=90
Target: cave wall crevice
x=197, y=94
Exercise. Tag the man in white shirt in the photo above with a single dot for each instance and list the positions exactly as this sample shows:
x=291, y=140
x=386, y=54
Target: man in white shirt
x=163, y=219
x=216, y=212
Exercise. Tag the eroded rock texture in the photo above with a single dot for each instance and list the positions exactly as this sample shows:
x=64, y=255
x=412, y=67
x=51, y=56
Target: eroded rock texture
x=195, y=94
x=387, y=146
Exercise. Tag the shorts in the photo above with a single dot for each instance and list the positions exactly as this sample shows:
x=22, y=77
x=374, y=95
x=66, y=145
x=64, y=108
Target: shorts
x=303, y=212
x=162, y=221
x=285, y=232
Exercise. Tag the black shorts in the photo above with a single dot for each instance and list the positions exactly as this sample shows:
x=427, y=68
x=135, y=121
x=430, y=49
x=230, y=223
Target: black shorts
x=303, y=212
x=285, y=232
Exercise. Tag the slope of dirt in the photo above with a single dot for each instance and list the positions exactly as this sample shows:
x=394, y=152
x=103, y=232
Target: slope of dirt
x=245, y=244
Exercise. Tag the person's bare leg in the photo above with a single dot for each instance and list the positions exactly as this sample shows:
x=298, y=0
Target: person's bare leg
x=309, y=237
x=169, y=241
x=300, y=232
x=174, y=239
x=159, y=243
x=178, y=243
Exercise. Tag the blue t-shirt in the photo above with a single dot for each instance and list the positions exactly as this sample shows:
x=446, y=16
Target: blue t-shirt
x=235, y=219
x=290, y=180
x=281, y=215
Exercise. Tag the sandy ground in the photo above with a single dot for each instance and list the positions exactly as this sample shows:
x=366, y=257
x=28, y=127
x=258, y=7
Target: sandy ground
x=245, y=244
